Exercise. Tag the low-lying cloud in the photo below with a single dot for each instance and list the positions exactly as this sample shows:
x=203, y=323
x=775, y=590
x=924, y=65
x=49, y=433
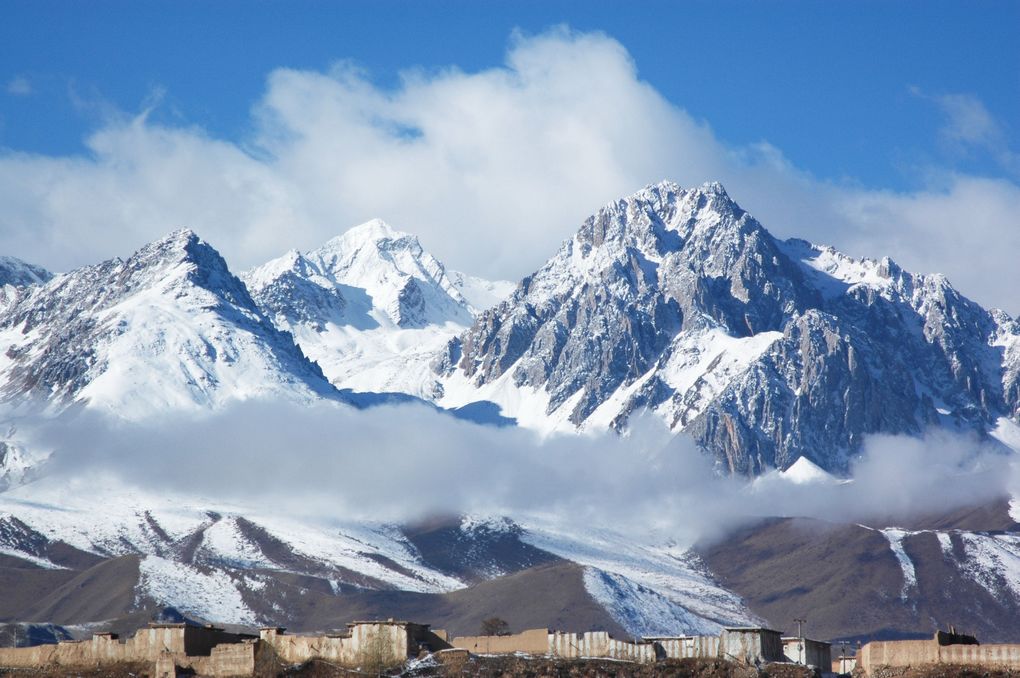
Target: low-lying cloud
x=332, y=462
x=492, y=169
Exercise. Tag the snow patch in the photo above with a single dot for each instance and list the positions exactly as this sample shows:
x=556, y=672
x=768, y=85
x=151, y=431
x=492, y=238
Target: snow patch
x=670, y=570
x=210, y=595
x=804, y=471
x=895, y=537
x=1007, y=432
x=993, y=560
x=945, y=543
x=642, y=611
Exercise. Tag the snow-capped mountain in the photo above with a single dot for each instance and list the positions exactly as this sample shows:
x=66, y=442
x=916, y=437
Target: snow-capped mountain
x=769, y=353
x=79, y=553
x=371, y=307
x=677, y=300
x=17, y=275
x=169, y=328
x=229, y=564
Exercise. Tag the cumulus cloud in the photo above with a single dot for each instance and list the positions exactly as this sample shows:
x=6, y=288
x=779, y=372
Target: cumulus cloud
x=329, y=461
x=492, y=169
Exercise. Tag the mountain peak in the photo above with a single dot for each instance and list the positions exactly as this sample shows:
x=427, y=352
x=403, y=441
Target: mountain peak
x=179, y=239
x=14, y=271
x=375, y=228
x=372, y=231
x=170, y=327
x=713, y=187
x=669, y=187
x=183, y=234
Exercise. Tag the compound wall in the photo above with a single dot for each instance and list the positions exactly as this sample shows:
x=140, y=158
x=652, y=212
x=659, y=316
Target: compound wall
x=920, y=652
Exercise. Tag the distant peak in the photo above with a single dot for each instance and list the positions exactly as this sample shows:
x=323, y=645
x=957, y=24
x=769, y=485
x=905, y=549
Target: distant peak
x=374, y=229
x=713, y=187
x=180, y=245
x=180, y=235
x=667, y=186
x=14, y=271
x=180, y=239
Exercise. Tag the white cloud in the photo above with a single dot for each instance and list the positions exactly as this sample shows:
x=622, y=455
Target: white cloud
x=364, y=468
x=20, y=86
x=970, y=128
x=492, y=169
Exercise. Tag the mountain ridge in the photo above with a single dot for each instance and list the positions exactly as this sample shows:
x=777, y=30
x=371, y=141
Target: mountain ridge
x=169, y=326
x=679, y=301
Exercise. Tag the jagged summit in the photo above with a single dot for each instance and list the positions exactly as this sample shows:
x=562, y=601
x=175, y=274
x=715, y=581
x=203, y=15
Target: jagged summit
x=672, y=299
x=678, y=301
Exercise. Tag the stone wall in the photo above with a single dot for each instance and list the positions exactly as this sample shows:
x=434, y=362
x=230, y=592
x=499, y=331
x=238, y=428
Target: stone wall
x=533, y=641
x=746, y=645
x=599, y=644
x=373, y=644
x=236, y=659
x=689, y=647
x=162, y=645
x=898, y=653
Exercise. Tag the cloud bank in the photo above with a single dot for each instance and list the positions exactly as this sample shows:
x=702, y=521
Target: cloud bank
x=328, y=462
x=492, y=169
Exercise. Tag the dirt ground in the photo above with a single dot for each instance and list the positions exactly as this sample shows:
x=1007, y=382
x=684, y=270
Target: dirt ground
x=527, y=667
x=111, y=671
x=943, y=671
x=480, y=667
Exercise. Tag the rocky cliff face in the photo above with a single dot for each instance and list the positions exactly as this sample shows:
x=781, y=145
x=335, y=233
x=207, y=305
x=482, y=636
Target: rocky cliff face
x=678, y=301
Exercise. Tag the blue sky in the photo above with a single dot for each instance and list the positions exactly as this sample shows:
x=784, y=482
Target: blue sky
x=884, y=128
x=829, y=83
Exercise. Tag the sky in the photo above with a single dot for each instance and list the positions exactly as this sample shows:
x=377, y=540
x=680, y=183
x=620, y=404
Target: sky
x=492, y=130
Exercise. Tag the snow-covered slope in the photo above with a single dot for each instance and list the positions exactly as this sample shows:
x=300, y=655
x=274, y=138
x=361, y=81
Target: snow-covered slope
x=765, y=351
x=169, y=328
x=15, y=277
x=371, y=307
x=252, y=565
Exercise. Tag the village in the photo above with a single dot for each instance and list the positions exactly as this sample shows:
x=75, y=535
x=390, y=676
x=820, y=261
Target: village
x=381, y=647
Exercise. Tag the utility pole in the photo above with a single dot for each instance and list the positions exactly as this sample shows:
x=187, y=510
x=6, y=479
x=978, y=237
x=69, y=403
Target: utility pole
x=801, y=659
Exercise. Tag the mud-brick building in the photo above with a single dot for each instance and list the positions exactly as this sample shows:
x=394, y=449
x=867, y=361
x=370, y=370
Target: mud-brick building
x=377, y=643
x=146, y=645
x=751, y=645
x=808, y=652
x=745, y=645
x=210, y=651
